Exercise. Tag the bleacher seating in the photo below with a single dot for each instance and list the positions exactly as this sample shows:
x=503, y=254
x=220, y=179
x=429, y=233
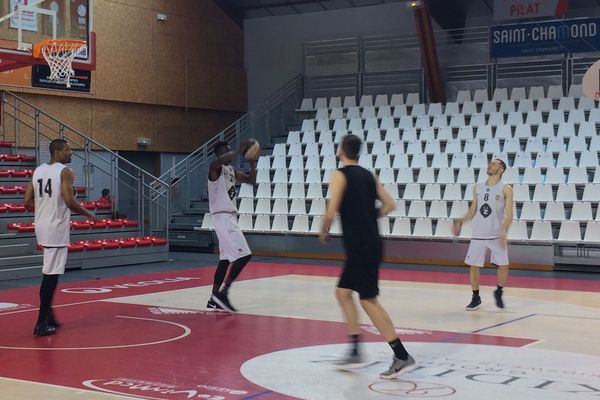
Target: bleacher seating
x=112, y=241
x=429, y=156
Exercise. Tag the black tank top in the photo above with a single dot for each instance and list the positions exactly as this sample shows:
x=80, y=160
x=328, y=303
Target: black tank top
x=359, y=214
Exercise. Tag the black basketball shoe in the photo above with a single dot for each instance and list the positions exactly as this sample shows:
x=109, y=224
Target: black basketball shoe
x=222, y=301
x=474, y=304
x=498, y=297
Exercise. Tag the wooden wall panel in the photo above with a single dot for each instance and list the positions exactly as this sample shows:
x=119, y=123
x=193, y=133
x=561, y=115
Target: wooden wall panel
x=199, y=88
x=137, y=54
x=118, y=125
x=74, y=112
x=167, y=90
x=225, y=84
x=125, y=56
x=178, y=82
x=176, y=128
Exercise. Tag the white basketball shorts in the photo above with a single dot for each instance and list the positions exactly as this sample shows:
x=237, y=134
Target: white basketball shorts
x=478, y=250
x=232, y=243
x=55, y=260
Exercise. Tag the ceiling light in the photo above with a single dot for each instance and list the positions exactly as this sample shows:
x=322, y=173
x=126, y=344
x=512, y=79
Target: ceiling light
x=414, y=4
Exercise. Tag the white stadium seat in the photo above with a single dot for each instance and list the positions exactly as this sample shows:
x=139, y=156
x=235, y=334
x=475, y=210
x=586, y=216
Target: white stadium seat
x=423, y=228
x=541, y=231
x=517, y=231
x=554, y=211
x=570, y=231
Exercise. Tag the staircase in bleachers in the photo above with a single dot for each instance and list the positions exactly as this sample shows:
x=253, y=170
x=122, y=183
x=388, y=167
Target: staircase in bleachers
x=430, y=155
x=111, y=241
x=188, y=178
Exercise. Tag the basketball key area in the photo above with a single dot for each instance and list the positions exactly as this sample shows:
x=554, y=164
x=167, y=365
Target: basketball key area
x=149, y=336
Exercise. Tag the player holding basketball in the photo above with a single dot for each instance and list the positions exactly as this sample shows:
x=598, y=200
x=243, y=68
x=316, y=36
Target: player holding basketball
x=50, y=193
x=492, y=212
x=354, y=191
x=233, y=248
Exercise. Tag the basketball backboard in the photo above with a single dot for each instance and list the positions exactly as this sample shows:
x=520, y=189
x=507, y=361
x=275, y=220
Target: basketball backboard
x=26, y=22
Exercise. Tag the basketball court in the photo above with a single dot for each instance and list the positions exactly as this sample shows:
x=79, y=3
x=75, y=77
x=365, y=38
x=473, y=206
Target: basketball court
x=149, y=336
x=145, y=333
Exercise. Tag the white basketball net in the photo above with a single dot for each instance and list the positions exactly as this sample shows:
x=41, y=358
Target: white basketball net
x=60, y=55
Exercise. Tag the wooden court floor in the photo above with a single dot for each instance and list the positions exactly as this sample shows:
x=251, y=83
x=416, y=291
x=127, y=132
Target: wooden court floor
x=149, y=336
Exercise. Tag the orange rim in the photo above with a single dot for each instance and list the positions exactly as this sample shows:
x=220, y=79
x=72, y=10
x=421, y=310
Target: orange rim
x=74, y=44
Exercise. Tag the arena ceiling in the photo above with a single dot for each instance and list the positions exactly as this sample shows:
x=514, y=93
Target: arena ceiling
x=448, y=13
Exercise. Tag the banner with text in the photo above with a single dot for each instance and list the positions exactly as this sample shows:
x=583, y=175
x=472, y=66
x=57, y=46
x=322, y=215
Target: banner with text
x=81, y=82
x=516, y=9
x=28, y=20
x=551, y=37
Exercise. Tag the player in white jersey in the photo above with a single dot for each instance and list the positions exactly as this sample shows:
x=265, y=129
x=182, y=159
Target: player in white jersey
x=492, y=214
x=50, y=193
x=234, y=252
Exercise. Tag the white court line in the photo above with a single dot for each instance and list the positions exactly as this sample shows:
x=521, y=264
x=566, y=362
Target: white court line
x=186, y=332
x=54, y=306
x=76, y=392
x=538, y=341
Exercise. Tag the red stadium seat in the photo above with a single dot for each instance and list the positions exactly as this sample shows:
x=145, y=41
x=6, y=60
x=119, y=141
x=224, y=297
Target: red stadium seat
x=81, y=225
x=21, y=189
x=5, y=144
x=22, y=227
x=8, y=190
x=74, y=247
x=28, y=227
x=26, y=158
x=103, y=206
x=114, y=223
x=126, y=243
x=142, y=241
x=100, y=224
x=20, y=173
x=129, y=223
x=3, y=208
x=80, y=189
x=88, y=205
x=91, y=245
x=157, y=241
x=110, y=244
x=12, y=157
x=4, y=173
x=15, y=208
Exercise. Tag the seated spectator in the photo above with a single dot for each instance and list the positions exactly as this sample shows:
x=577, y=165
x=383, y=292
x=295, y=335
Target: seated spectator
x=106, y=197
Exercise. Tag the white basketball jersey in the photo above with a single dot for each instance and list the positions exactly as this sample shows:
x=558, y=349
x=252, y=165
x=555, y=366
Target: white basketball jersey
x=489, y=215
x=221, y=193
x=52, y=215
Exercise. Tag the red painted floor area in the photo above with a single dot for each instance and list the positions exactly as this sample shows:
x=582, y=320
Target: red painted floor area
x=110, y=345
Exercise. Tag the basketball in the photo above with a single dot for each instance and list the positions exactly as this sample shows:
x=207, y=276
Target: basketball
x=252, y=149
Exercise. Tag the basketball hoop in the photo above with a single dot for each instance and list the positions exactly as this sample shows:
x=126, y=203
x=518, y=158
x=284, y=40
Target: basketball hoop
x=59, y=54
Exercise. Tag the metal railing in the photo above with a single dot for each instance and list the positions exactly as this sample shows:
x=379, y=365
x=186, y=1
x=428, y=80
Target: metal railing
x=491, y=75
x=280, y=108
x=188, y=178
x=139, y=195
x=388, y=64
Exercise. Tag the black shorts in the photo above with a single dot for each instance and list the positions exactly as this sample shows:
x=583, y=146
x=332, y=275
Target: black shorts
x=362, y=276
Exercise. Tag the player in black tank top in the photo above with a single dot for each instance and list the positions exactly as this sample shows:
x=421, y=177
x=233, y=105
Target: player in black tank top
x=359, y=215
x=353, y=193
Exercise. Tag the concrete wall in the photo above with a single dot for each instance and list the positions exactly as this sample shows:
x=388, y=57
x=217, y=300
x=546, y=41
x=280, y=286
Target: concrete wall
x=274, y=45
